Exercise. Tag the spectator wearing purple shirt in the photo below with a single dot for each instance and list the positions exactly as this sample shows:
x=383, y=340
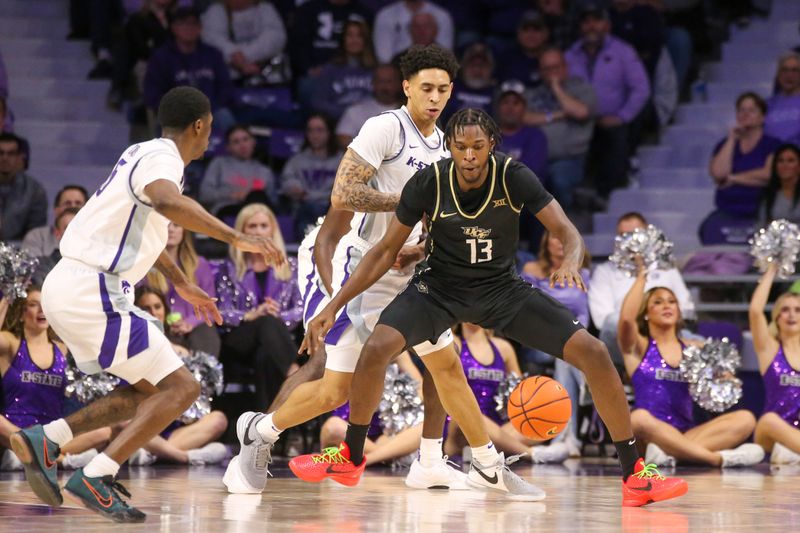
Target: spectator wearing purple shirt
x=783, y=109
x=740, y=167
x=259, y=305
x=522, y=61
x=186, y=60
x=622, y=89
x=476, y=86
x=563, y=107
x=347, y=78
x=185, y=328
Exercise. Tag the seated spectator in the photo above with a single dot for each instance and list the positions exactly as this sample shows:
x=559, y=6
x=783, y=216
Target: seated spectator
x=522, y=61
x=560, y=22
x=642, y=27
x=486, y=360
x=186, y=60
x=783, y=108
x=740, y=167
x=622, y=89
x=260, y=305
x=49, y=261
x=652, y=346
x=44, y=239
x=194, y=443
x=778, y=429
x=347, y=78
x=386, y=91
x=609, y=285
x=423, y=31
x=308, y=176
x=230, y=178
x=563, y=107
x=393, y=27
x=476, y=86
x=33, y=367
x=524, y=143
x=183, y=326
x=380, y=446
x=317, y=30
x=248, y=33
x=782, y=191
x=145, y=30
x=23, y=201
x=537, y=273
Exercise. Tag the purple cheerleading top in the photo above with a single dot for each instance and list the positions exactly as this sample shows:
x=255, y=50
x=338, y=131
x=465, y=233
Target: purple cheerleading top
x=32, y=395
x=375, y=426
x=782, y=386
x=661, y=390
x=484, y=379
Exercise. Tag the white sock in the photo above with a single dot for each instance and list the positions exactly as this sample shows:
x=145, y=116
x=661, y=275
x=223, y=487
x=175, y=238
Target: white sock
x=430, y=452
x=58, y=431
x=267, y=428
x=101, y=465
x=486, y=455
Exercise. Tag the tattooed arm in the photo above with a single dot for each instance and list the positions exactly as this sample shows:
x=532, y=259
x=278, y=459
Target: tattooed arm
x=351, y=190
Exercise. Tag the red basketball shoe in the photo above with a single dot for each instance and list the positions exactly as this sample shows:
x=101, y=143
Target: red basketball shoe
x=332, y=463
x=647, y=485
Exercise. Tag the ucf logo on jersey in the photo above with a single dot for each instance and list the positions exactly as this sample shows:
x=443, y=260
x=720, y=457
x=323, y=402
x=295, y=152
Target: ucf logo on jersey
x=476, y=232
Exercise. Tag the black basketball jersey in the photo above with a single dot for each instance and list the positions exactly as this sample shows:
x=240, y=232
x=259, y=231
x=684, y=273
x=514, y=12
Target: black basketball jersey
x=476, y=244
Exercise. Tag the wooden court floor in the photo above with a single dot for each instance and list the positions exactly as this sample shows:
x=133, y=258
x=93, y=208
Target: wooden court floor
x=582, y=496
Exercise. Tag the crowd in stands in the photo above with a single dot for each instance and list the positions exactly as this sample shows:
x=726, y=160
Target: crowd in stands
x=574, y=86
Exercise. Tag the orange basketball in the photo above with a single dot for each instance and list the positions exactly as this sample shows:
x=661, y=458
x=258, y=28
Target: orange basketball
x=539, y=407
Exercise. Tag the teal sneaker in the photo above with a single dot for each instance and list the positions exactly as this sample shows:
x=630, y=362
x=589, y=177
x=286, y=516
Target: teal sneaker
x=102, y=495
x=38, y=455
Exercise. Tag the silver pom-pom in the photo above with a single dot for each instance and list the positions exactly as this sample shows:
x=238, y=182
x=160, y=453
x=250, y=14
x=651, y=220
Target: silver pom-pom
x=16, y=268
x=649, y=243
x=87, y=388
x=779, y=242
x=401, y=406
x=504, y=390
x=711, y=373
x=207, y=370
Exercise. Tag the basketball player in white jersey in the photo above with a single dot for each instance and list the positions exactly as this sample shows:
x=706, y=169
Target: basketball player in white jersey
x=388, y=150
x=110, y=245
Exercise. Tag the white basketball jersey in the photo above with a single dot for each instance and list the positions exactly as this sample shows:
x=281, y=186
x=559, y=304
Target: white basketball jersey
x=118, y=231
x=393, y=144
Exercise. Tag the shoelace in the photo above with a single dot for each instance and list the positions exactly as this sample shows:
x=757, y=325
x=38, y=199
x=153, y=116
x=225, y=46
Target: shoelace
x=649, y=471
x=329, y=455
x=116, y=488
x=511, y=459
x=263, y=455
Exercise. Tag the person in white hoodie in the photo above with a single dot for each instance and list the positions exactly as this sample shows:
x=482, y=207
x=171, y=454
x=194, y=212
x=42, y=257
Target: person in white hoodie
x=609, y=285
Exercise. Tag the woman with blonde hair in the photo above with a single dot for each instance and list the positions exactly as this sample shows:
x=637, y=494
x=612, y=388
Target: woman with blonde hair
x=777, y=346
x=260, y=305
x=648, y=333
x=183, y=326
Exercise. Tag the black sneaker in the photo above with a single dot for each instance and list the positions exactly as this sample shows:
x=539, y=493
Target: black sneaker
x=102, y=495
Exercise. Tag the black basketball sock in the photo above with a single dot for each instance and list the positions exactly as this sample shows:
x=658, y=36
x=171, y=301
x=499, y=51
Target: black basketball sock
x=628, y=456
x=355, y=438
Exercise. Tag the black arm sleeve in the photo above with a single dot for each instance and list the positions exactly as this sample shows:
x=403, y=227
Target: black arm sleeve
x=524, y=188
x=418, y=197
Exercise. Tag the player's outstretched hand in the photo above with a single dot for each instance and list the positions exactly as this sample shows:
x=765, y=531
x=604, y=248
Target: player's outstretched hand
x=260, y=245
x=205, y=307
x=567, y=277
x=316, y=331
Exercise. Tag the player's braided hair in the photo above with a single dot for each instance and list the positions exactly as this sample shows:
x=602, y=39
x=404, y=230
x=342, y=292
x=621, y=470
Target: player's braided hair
x=420, y=57
x=470, y=116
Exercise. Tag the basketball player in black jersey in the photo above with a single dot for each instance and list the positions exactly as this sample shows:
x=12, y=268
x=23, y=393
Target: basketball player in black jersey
x=472, y=203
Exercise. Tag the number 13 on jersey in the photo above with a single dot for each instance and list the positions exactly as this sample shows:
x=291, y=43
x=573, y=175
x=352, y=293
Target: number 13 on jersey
x=480, y=250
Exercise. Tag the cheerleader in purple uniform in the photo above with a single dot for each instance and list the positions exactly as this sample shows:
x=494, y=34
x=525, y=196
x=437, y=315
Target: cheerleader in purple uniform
x=33, y=364
x=648, y=336
x=379, y=447
x=777, y=345
x=180, y=443
x=486, y=360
